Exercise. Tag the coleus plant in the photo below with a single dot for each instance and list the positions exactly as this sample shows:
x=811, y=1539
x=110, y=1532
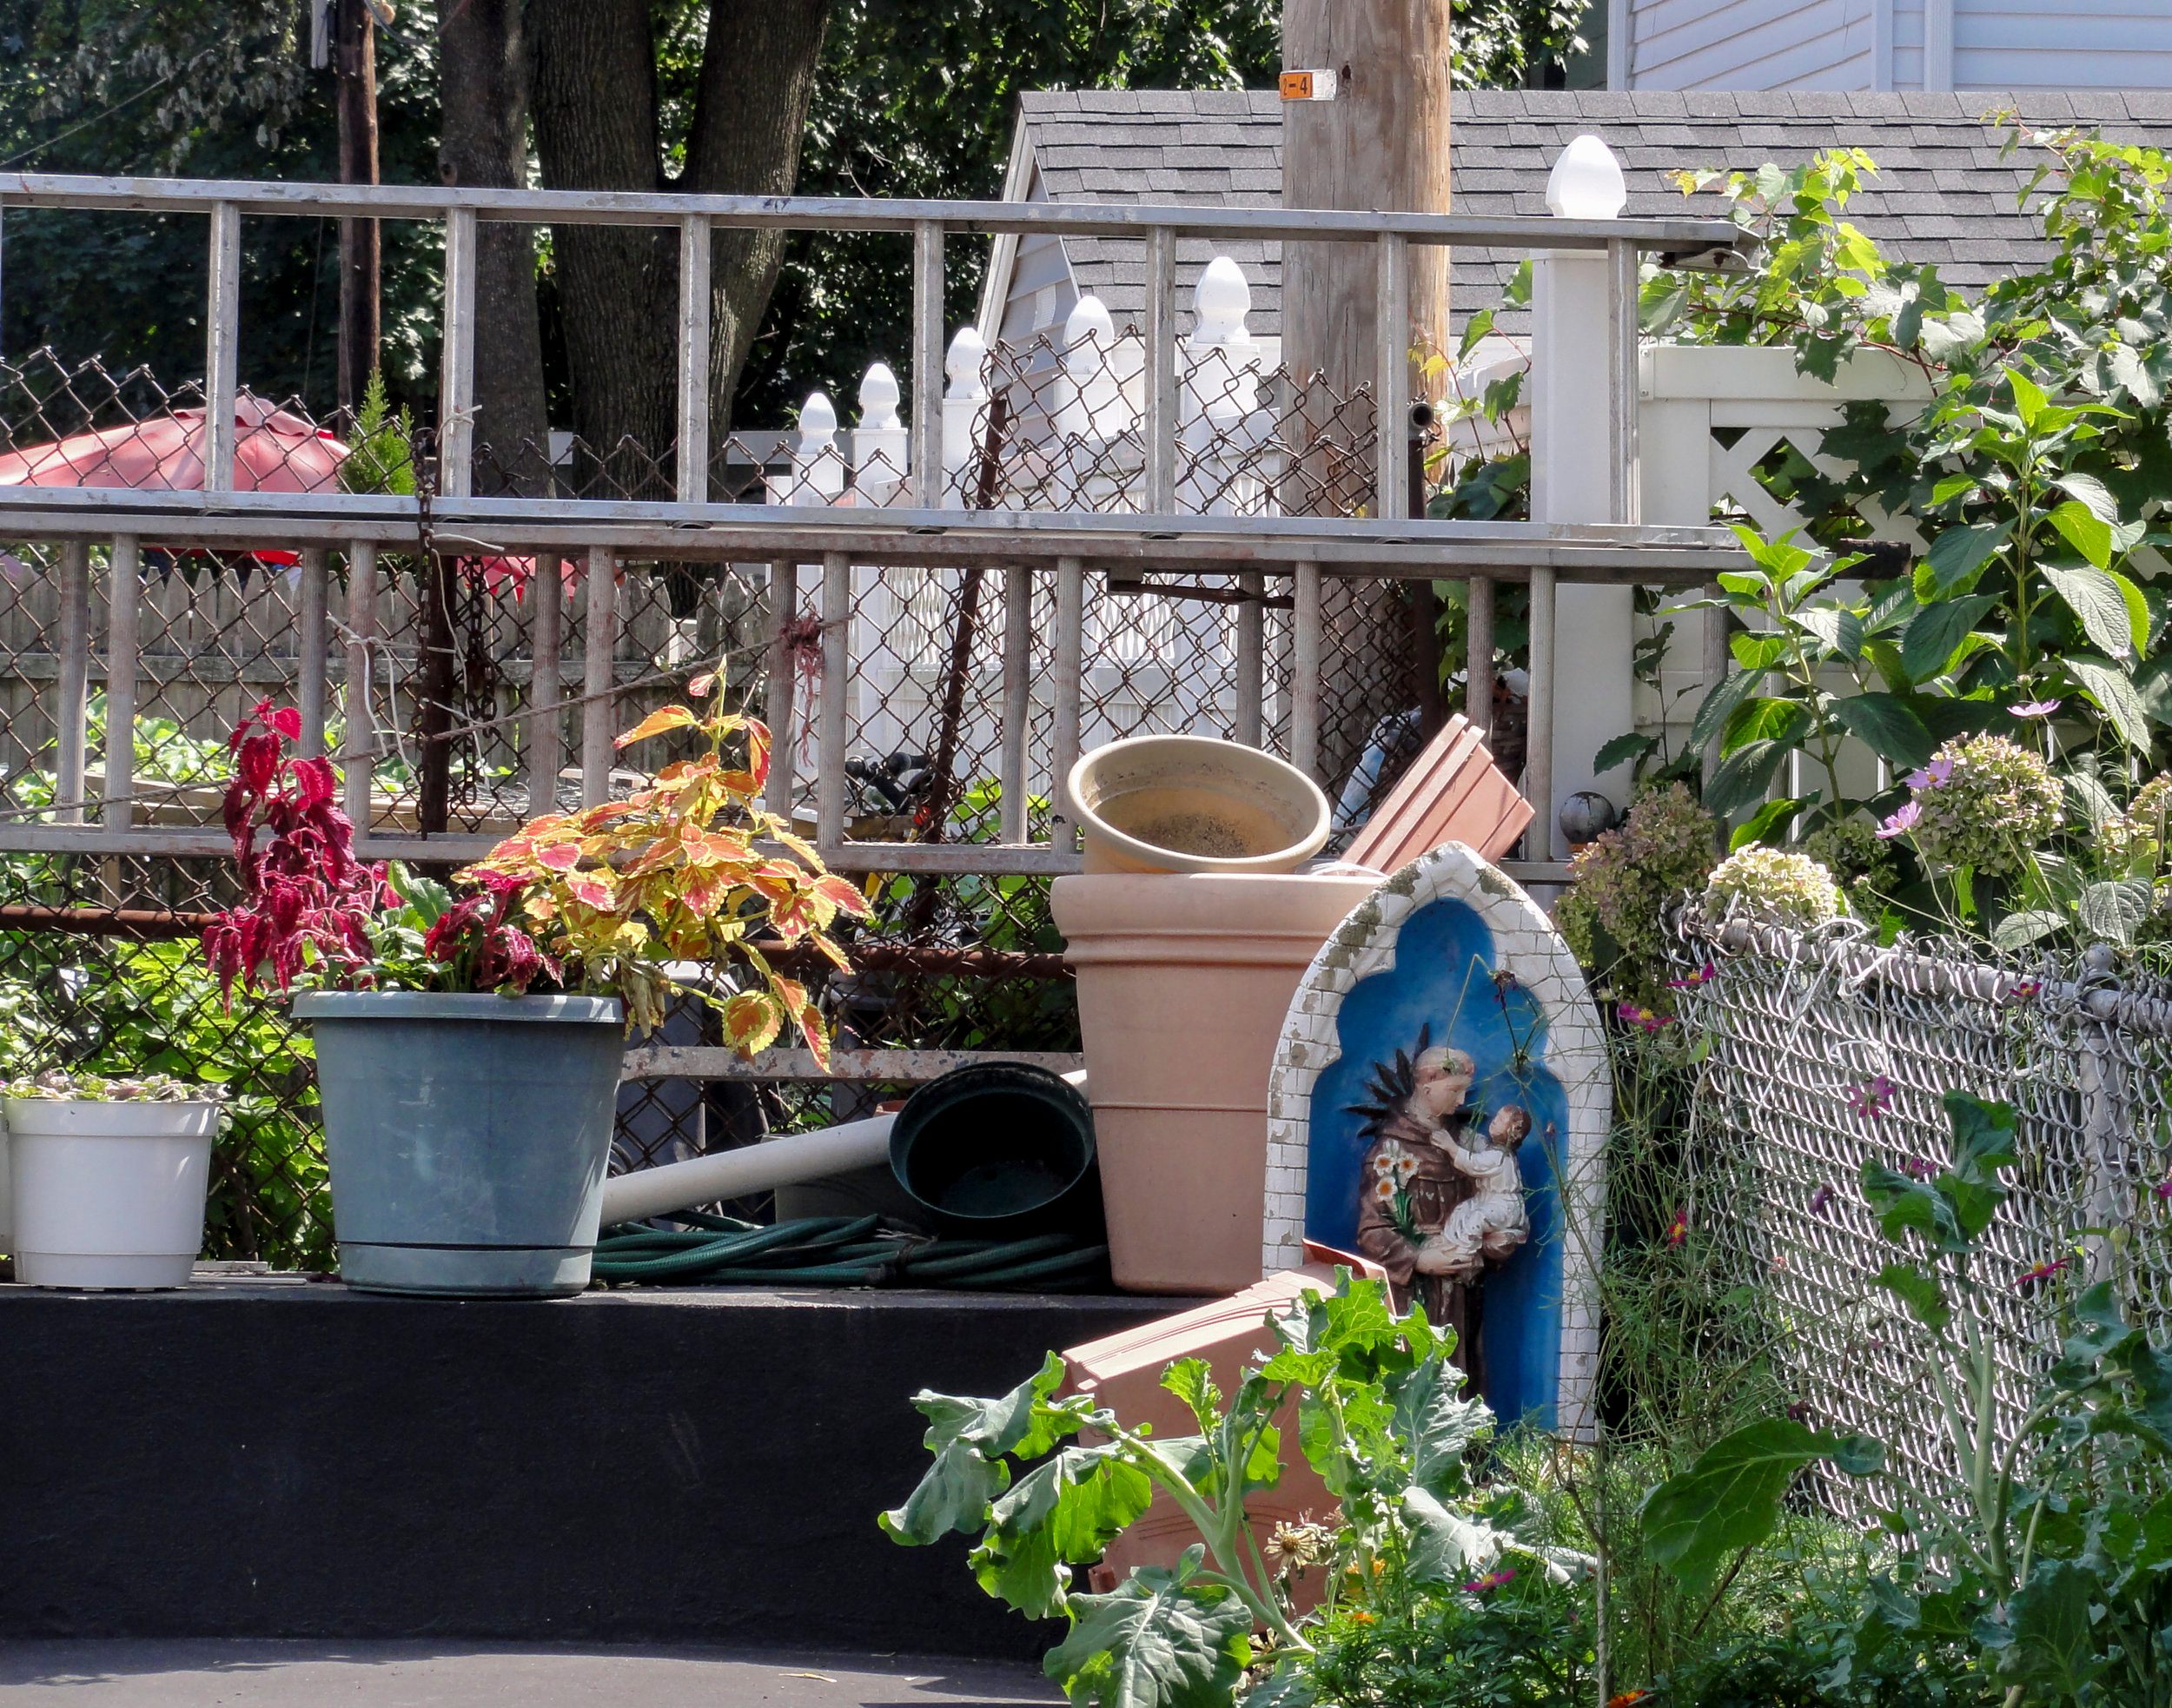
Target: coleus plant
x=691, y=869
x=314, y=913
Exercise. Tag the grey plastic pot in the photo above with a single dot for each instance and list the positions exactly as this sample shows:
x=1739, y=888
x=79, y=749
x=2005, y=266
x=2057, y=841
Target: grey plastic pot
x=467, y=1136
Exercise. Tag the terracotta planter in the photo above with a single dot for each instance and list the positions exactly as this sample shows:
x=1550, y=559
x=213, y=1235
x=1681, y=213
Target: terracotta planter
x=1183, y=982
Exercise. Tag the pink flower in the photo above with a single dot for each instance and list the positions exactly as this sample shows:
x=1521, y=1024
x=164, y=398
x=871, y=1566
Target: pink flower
x=2024, y=989
x=1901, y=821
x=1677, y=1229
x=2036, y=708
x=1935, y=775
x=1821, y=1200
x=2163, y=1187
x=1919, y=1167
x=1704, y=975
x=2028, y=1280
x=1491, y=1580
x=1872, y=1098
x=1648, y=1019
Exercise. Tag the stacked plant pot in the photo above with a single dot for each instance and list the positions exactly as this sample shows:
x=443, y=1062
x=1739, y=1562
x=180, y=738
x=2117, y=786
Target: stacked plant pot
x=1189, y=929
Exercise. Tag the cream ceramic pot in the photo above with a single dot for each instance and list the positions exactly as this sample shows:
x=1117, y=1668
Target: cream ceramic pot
x=1183, y=982
x=1192, y=804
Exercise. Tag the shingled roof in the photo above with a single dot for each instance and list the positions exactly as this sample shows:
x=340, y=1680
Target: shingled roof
x=1942, y=194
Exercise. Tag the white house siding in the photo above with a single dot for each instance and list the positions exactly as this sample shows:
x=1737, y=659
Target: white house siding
x=1751, y=45
x=1833, y=44
x=2001, y=45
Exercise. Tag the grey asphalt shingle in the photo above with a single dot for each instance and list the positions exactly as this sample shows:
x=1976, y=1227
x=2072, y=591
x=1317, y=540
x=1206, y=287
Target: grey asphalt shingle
x=1943, y=193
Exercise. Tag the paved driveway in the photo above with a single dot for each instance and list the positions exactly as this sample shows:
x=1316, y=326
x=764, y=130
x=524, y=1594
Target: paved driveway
x=214, y=1674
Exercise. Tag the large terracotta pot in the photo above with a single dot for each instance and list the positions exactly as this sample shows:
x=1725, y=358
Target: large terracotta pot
x=1183, y=982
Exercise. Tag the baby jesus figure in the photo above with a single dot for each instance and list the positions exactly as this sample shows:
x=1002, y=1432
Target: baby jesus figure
x=1490, y=1224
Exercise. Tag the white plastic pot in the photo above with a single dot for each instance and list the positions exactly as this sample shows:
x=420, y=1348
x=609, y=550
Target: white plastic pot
x=107, y=1194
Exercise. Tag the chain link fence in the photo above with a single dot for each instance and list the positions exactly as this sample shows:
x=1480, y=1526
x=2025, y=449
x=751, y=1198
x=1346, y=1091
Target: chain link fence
x=1829, y=1049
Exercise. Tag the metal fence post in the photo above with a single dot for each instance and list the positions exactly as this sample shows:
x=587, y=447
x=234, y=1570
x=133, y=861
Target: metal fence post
x=1306, y=619
x=778, y=686
x=1391, y=382
x=1070, y=670
x=925, y=454
x=1017, y=696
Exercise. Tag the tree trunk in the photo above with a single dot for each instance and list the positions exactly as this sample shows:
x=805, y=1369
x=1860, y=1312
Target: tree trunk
x=483, y=81
x=746, y=141
x=1381, y=143
x=354, y=64
x=596, y=128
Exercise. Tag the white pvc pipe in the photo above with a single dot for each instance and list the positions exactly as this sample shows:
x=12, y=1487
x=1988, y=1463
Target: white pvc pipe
x=760, y=1168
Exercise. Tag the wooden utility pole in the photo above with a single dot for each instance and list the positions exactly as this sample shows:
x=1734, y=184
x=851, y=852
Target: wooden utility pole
x=355, y=67
x=1379, y=144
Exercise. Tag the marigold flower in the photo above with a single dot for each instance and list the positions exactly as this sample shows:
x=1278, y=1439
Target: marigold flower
x=1628, y=1698
x=1359, y=1616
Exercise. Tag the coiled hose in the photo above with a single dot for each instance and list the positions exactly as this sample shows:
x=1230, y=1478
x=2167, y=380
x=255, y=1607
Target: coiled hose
x=841, y=1251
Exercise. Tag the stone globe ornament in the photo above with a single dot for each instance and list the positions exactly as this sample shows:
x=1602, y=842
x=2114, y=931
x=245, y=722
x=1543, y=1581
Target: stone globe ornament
x=1586, y=815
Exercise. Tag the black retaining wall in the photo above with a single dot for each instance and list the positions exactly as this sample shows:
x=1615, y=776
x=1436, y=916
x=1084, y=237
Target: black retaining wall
x=285, y=1459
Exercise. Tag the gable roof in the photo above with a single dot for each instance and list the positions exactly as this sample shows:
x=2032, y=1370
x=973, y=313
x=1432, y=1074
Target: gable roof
x=1941, y=195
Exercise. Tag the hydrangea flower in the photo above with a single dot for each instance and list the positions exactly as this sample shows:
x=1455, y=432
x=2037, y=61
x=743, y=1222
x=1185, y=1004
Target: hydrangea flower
x=2134, y=842
x=1985, y=803
x=1772, y=884
x=1622, y=883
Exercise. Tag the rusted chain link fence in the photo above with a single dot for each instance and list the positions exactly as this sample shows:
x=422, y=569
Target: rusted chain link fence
x=1826, y=1050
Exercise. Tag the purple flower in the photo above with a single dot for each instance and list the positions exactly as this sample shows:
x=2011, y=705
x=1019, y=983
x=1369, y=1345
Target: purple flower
x=1820, y=1199
x=1704, y=975
x=1872, y=1098
x=1932, y=775
x=2163, y=1187
x=1919, y=1167
x=2024, y=989
x=1901, y=821
x=1491, y=1580
x=1798, y=1411
x=2036, y=708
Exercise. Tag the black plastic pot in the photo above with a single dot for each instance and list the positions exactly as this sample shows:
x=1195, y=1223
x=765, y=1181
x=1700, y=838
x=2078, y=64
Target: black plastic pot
x=998, y=1151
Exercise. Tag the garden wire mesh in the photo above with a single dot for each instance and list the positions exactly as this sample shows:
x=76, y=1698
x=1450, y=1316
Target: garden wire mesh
x=1829, y=1048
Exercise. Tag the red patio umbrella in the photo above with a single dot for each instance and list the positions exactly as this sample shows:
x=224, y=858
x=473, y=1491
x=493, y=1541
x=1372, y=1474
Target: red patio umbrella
x=274, y=452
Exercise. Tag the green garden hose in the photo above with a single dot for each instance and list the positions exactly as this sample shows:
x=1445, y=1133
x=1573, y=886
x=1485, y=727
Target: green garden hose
x=840, y=1251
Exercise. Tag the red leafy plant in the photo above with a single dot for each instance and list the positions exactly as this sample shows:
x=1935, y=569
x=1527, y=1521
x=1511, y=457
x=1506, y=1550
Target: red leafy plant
x=312, y=913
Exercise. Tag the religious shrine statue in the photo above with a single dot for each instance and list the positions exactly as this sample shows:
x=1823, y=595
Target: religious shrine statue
x=1440, y=1191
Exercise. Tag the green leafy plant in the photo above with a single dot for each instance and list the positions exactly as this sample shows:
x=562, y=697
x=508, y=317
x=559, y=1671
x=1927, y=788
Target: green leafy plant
x=1047, y=1479
x=2052, y=1561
